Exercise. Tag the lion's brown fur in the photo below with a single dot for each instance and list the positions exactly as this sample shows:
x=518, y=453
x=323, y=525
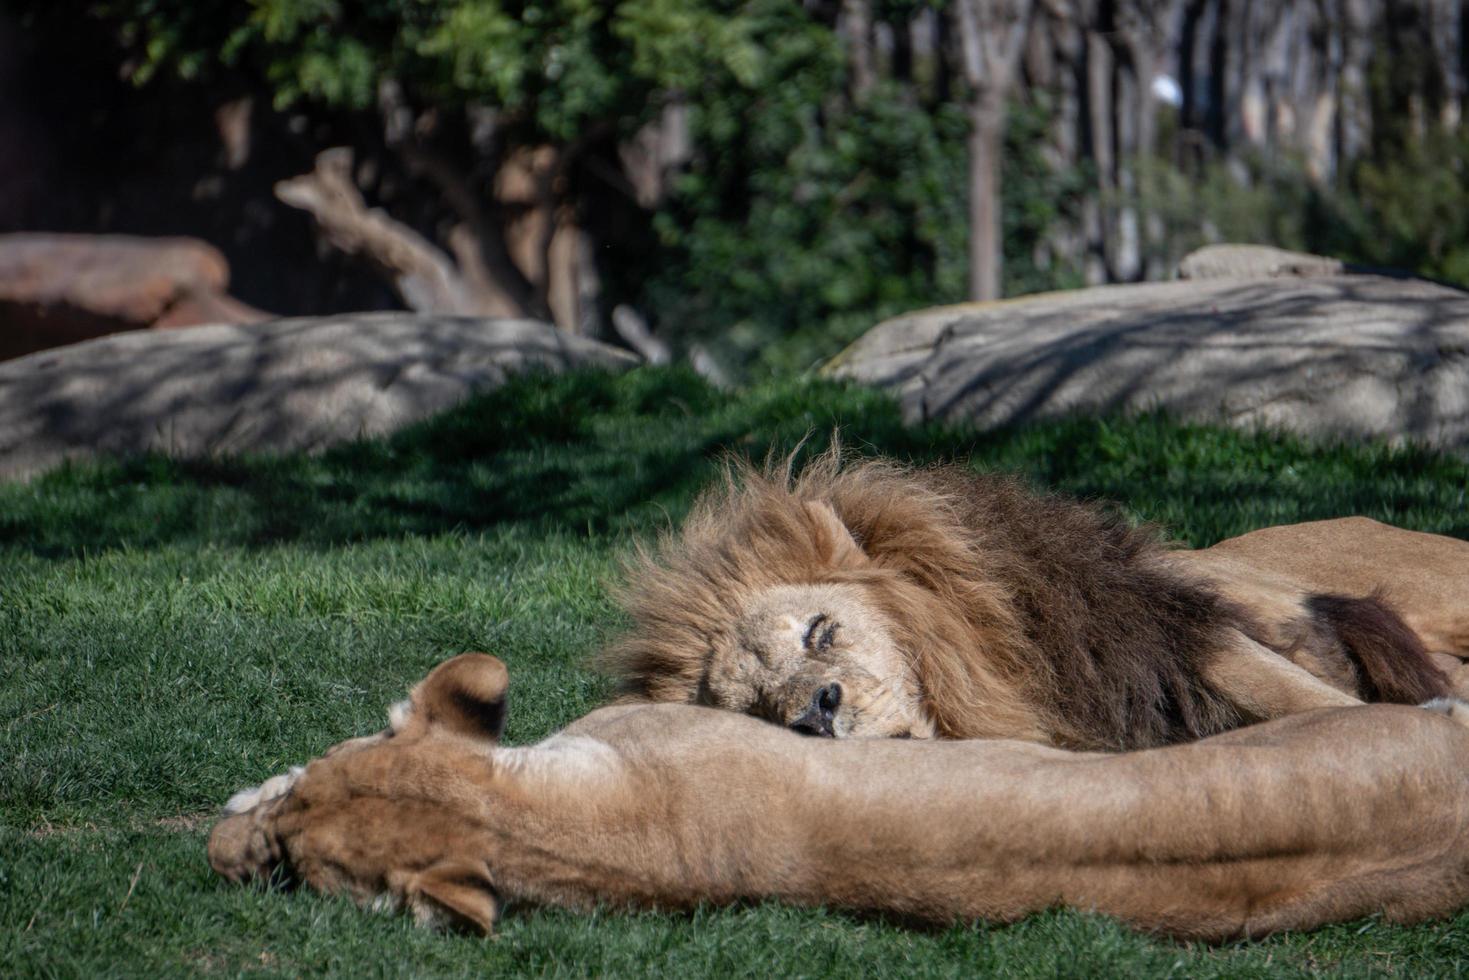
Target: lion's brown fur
x=1021, y=614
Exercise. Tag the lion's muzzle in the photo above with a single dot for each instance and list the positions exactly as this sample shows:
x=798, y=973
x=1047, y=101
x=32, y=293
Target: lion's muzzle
x=819, y=719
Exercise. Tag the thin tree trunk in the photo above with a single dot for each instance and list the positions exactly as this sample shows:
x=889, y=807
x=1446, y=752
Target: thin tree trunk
x=991, y=41
x=986, y=147
x=1215, y=117
x=1103, y=142
x=1188, y=109
x=902, y=67
x=857, y=26
x=1141, y=35
x=1127, y=249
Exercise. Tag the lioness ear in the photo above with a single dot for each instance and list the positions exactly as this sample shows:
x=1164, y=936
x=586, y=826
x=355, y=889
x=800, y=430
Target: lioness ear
x=465, y=695
x=834, y=535
x=460, y=891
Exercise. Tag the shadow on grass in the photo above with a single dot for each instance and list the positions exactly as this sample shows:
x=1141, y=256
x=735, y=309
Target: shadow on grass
x=601, y=455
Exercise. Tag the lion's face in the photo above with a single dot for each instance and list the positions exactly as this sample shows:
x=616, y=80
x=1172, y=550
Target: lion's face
x=821, y=660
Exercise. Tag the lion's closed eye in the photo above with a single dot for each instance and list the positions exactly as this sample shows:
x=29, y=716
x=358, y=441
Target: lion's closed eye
x=820, y=633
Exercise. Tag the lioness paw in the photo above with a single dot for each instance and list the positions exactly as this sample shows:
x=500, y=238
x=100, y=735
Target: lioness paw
x=1450, y=707
x=251, y=797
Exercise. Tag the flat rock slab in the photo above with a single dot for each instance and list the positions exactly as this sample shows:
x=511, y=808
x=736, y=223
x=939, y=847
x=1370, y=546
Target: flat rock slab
x=1330, y=355
x=281, y=386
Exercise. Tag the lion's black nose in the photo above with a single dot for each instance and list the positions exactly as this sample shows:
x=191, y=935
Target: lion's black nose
x=817, y=719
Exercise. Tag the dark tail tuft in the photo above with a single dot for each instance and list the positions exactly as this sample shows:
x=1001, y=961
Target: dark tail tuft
x=1392, y=662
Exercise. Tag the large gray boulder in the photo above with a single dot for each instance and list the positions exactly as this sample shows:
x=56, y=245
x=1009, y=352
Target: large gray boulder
x=1325, y=355
x=280, y=386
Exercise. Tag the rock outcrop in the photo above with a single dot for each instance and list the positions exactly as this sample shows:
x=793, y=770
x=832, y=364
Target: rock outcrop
x=280, y=386
x=61, y=289
x=1255, y=262
x=1324, y=355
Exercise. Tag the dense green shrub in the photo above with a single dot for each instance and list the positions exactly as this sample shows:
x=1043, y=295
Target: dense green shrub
x=817, y=231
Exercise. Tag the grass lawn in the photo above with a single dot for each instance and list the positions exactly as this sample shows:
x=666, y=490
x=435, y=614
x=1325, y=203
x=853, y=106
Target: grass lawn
x=171, y=631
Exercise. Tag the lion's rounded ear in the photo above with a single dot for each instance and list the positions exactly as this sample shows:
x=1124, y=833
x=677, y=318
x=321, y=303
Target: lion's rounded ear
x=466, y=695
x=835, y=538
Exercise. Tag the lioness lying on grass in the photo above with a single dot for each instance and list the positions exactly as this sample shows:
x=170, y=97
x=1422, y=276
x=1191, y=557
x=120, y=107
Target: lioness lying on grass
x=873, y=599
x=1295, y=823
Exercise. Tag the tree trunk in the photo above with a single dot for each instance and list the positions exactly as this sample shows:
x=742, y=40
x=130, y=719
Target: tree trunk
x=902, y=66
x=856, y=24
x=477, y=242
x=1460, y=63
x=1127, y=111
x=1353, y=114
x=986, y=147
x=991, y=41
x=1141, y=35
x=1099, y=226
x=1188, y=109
x=1216, y=115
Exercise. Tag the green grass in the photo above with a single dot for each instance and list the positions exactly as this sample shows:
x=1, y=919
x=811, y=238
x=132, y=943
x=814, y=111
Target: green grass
x=171, y=631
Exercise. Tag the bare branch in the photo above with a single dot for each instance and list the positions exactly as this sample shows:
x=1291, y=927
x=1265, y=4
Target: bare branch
x=632, y=328
x=424, y=276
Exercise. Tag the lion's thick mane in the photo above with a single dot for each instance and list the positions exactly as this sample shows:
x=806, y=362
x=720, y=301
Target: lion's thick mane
x=1022, y=614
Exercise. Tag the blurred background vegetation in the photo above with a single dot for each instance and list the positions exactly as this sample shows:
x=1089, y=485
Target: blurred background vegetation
x=751, y=183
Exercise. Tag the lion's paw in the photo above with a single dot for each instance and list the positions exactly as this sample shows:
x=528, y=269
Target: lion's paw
x=1450, y=707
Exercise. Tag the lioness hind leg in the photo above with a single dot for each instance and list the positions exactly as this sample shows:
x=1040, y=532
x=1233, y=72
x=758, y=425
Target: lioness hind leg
x=1426, y=576
x=1262, y=684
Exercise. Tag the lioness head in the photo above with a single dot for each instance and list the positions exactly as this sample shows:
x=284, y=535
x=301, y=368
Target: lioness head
x=819, y=659
x=387, y=819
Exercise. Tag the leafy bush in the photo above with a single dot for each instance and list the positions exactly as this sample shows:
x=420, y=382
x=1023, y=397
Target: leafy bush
x=789, y=237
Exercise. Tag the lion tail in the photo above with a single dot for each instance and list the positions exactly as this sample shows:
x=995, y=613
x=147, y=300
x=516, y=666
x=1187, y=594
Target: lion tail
x=1392, y=663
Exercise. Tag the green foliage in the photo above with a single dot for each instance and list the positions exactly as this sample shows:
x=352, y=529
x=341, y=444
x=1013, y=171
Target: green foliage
x=557, y=66
x=1253, y=199
x=1415, y=207
x=793, y=233
x=803, y=215
x=171, y=631
x=1408, y=211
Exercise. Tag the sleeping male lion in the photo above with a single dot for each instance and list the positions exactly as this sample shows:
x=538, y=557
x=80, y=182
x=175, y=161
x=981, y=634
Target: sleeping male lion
x=871, y=599
x=1307, y=820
